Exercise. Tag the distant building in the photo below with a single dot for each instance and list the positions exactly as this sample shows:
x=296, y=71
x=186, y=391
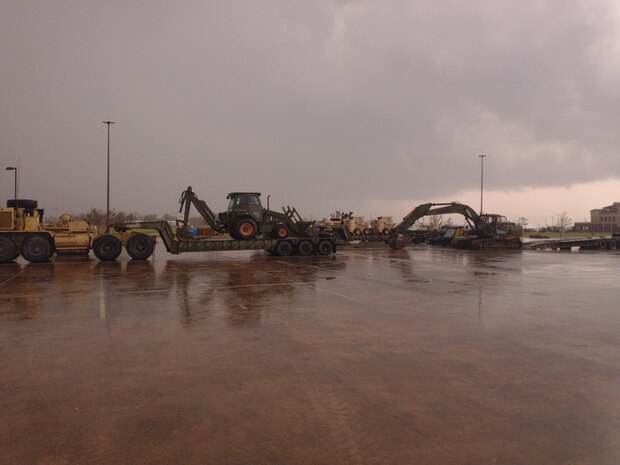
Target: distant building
x=606, y=219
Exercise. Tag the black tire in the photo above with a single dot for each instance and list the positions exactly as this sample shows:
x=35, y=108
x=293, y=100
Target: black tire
x=246, y=229
x=8, y=250
x=367, y=232
x=305, y=248
x=37, y=249
x=386, y=231
x=357, y=231
x=284, y=248
x=22, y=203
x=107, y=248
x=325, y=247
x=140, y=247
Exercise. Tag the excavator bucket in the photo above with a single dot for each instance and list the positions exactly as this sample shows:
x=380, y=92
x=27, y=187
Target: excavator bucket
x=400, y=242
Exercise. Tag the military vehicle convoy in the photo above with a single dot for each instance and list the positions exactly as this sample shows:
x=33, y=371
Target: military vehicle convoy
x=245, y=225
x=22, y=232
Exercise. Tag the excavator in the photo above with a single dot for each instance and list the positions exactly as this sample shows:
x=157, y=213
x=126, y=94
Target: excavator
x=487, y=231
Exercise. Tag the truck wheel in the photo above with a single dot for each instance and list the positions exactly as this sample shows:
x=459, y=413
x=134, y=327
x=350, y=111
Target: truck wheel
x=305, y=248
x=325, y=247
x=246, y=229
x=140, y=247
x=367, y=232
x=8, y=250
x=284, y=248
x=37, y=249
x=357, y=232
x=22, y=203
x=386, y=231
x=107, y=248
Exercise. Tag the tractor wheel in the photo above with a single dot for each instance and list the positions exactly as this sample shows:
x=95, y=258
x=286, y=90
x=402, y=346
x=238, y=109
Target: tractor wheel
x=37, y=249
x=140, y=247
x=22, y=203
x=281, y=232
x=284, y=248
x=8, y=250
x=107, y=248
x=325, y=247
x=246, y=229
x=305, y=248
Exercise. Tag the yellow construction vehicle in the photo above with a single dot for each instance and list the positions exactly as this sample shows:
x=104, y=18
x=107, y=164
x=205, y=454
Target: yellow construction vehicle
x=22, y=231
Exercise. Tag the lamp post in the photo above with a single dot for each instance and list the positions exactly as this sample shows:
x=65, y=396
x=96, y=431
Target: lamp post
x=481, y=179
x=107, y=208
x=13, y=168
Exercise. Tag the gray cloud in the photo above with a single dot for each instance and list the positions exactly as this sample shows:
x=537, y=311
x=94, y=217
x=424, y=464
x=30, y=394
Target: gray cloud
x=318, y=103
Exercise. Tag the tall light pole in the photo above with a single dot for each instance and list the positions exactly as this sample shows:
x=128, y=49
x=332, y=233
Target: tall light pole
x=481, y=179
x=13, y=168
x=107, y=207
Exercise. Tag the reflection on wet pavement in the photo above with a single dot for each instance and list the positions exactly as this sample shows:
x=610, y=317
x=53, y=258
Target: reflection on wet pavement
x=371, y=356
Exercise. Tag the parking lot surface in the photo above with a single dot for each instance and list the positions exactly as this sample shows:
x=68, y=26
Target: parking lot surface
x=372, y=356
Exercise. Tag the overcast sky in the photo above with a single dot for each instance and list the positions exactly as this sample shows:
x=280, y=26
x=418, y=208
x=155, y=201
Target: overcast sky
x=370, y=106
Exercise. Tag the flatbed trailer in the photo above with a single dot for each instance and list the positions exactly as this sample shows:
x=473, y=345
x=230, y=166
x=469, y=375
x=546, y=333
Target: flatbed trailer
x=584, y=243
x=141, y=246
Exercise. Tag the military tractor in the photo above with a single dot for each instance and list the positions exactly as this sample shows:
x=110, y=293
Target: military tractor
x=22, y=231
x=485, y=231
x=246, y=218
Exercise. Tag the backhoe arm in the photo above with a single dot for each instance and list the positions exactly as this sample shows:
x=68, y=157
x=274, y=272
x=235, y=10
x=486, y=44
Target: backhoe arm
x=188, y=198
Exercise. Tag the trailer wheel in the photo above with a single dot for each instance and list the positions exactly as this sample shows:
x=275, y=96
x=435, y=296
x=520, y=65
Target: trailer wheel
x=305, y=248
x=37, y=249
x=246, y=229
x=8, y=250
x=140, y=247
x=325, y=247
x=284, y=248
x=107, y=248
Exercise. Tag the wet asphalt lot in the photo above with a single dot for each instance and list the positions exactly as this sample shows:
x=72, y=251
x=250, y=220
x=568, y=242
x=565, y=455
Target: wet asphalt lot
x=372, y=356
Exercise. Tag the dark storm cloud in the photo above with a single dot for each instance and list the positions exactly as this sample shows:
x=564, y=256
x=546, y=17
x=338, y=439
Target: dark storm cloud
x=318, y=103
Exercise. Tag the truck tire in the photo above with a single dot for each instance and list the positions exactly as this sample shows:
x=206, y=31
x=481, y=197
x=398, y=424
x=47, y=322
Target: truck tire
x=246, y=229
x=357, y=231
x=140, y=247
x=284, y=248
x=107, y=248
x=8, y=250
x=305, y=248
x=325, y=247
x=37, y=249
x=386, y=231
x=22, y=203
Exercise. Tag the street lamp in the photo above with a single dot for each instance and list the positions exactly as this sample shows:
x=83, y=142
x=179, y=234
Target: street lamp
x=107, y=208
x=13, y=168
x=481, y=179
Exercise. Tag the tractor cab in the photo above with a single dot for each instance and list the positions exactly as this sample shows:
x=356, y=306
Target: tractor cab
x=493, y=224
x=245, y=204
